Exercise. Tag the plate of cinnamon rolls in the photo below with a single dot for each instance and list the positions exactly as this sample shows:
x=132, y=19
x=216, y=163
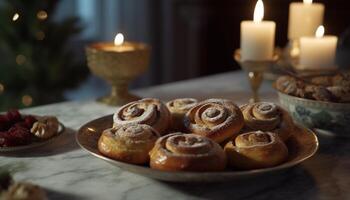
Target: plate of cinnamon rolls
x=186, y=140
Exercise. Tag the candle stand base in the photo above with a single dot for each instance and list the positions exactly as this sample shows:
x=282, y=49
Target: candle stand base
x=291, y=52
x=255, y=71
x=119, y=96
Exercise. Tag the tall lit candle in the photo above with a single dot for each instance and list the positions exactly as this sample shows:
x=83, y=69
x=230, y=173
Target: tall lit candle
x=317, y=52
x=257, y=36
x=304, y=18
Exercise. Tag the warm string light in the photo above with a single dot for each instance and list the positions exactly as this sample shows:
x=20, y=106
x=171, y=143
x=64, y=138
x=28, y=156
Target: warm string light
x=15, y=17
x=40, y=35
x=20, y=59
x=41, y=15
x=27, y=100
x=2, y=88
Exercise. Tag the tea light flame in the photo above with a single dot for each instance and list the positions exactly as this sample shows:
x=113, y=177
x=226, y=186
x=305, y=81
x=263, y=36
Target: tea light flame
x=259, y=11
x=119, y=39
x=308, y=1
x=320, y=32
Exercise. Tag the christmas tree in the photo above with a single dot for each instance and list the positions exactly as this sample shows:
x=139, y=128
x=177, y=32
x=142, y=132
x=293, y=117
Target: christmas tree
x=36, y=62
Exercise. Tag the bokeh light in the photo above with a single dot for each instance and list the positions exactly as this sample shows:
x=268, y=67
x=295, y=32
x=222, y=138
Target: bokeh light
x=41, y=15
x=27, y=100
x=20, y=59
x=2, y=88
x=15, y=17
x=40, y=35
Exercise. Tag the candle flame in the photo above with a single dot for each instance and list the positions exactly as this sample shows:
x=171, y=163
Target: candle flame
x=320, y=31
x=308, y=1
x=119, y=39
x=15, y=17
x=259, y=11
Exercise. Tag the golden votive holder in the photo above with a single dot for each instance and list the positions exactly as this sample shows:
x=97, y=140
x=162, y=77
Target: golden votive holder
x=118, y=66
x=255, y=71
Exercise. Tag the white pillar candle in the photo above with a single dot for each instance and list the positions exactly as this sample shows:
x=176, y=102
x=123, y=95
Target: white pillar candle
x=304, y=18
x=257, y=37
x=317, y=52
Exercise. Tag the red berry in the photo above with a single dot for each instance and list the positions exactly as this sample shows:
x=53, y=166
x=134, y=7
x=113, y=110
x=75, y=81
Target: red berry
x=6, y=140
x=14, y=116
x=4, y=123
x=29, y=121
x=20, y=135
x=21, y=125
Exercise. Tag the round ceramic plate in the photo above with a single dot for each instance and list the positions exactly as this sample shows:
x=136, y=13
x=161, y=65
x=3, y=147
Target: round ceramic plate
x=61, y=129
x=301, y=146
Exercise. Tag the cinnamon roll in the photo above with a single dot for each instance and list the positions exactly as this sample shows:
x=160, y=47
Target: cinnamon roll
x=145, y=111
x=129, y=143
x=187, y=152
x=217, y=119
x=255, y=150
x=178, y=108
x=267, y=116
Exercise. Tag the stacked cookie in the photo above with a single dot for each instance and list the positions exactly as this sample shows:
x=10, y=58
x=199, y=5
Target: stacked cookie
x=334, y=88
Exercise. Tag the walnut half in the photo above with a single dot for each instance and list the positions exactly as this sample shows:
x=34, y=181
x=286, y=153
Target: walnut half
x=45, y=127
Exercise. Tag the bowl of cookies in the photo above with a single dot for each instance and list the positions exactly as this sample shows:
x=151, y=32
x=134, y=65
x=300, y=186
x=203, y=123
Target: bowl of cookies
x=319, y=102
x=186, y=140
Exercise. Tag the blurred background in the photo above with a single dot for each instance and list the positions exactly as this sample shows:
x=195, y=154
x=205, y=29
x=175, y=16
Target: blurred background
x=42, y=58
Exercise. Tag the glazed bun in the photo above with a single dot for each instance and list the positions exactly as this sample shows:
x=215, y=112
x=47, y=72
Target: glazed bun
x=187, y=152
x=265, y=116
x=129, y=143
x=217, y=119
x=178, y=108
x=145, y=111
x=255, y=150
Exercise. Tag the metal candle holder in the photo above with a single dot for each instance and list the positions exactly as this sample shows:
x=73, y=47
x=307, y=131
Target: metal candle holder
x=118, y=69
x=255, y=71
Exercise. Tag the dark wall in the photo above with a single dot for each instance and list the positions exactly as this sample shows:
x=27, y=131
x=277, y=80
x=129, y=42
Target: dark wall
x=197, y=37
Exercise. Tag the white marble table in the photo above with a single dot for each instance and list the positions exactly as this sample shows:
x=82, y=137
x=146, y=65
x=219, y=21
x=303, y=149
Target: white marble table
x=68, y=172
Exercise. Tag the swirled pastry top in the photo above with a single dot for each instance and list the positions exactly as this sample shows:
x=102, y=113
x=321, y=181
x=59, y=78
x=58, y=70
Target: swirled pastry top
x=133, y=133
x=189, y=144
x=257, y=138
x=145, y=111
x=256, y=149
x=266, y=116
x=217, y=119
x=262, y=116
x=129, y=143
x=181, y=105
x=187, y=152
